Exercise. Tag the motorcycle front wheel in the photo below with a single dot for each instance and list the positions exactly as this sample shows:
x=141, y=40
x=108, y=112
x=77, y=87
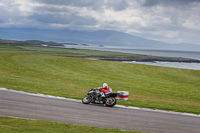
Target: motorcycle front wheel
x=87, y=99
x=111, y=101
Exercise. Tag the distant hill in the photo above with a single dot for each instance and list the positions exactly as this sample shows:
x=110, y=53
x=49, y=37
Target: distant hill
x=34, y=42
x=102, y=37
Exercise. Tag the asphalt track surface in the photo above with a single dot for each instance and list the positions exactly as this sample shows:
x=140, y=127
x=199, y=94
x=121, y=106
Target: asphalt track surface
x=74, y=112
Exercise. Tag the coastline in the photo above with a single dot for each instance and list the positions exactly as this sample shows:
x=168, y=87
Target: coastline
x=139, y=59
x=155, y=60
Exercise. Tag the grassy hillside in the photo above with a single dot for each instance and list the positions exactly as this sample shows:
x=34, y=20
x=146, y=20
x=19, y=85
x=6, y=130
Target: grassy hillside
x=60, y=51
x=149, y=86
x=16, y=125
x=84, y=53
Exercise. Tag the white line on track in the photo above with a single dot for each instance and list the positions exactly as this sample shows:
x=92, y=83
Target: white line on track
x=119, y=106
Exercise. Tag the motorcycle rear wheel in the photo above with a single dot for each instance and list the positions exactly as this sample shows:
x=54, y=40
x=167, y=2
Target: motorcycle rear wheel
x=87, y=99
x=110, y=102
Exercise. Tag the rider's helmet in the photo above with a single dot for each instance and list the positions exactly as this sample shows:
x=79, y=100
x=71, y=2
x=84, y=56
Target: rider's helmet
x=105, y=85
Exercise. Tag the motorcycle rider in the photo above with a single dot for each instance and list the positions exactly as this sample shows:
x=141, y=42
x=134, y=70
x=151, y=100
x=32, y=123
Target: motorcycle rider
x=105, y=89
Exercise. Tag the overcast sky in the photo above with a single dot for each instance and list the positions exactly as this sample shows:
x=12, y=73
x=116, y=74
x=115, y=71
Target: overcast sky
x=165, y=20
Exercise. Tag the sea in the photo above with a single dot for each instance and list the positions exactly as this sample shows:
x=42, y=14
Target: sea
x=153, y=52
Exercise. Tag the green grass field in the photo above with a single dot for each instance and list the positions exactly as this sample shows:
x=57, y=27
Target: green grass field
x=40, y=70
x=16, y=125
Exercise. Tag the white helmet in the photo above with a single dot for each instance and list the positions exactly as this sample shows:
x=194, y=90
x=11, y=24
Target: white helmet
x=105, y=85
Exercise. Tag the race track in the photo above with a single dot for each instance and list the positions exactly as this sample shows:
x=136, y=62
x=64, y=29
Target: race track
x=68, y=111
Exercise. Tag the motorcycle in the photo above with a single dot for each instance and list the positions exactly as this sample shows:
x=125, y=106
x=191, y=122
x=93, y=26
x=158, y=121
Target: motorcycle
x=94, y=96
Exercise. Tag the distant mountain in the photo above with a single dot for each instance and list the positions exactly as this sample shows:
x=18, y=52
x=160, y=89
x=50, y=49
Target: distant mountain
x=102, y=37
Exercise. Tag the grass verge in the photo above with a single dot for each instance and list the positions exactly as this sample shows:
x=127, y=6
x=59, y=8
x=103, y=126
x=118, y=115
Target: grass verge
x=16, y=125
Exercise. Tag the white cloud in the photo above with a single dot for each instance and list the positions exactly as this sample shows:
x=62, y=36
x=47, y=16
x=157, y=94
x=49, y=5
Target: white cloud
x=150, y=17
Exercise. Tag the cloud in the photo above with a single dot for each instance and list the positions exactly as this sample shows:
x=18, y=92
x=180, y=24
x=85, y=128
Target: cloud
x=91, y=4
x=169, y=2
x=169, y=20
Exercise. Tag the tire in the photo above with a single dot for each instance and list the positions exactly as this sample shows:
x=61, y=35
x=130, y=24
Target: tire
x=87, y=99
x=110, y=102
